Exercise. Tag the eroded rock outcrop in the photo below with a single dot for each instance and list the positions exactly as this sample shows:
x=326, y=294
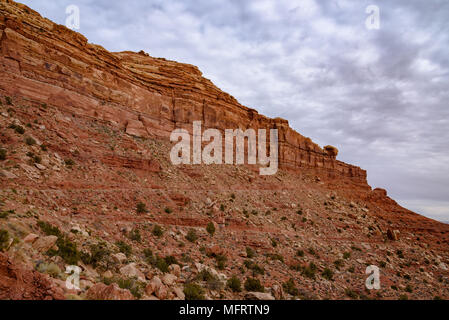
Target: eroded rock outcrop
x=144, y=96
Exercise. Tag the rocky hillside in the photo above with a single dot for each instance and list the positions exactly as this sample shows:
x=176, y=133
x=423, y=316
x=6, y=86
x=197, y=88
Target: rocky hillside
x=87, y=180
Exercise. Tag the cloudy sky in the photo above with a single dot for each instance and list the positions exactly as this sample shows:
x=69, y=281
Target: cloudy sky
x=380, y=95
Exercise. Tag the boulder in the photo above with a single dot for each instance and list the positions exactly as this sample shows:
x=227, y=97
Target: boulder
x=100, y=291
x=175, y=270
x=119, y=258
x=131, y=271
x=179, y=293
x=153, y=285
x=258, y=296
x=169, y=279
x=45, y=243
x=30, y=238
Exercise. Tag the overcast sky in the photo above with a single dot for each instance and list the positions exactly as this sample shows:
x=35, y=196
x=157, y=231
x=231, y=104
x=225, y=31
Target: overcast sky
x=380, y=95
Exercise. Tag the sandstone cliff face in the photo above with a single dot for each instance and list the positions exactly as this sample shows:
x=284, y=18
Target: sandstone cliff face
x=144, y=96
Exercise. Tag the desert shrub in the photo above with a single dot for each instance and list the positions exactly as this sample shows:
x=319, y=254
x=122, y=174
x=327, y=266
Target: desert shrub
x=133, y=285
x=67, y=250
x=327, y=274
x=300, y=253
x=192, y=236
x=124, y=248
x=403, y=297
x=290, y=287
x=157, y=231
x=221, y=261
x=135, y=235
x=168, y=210
x=210, y=228
x=98, y=253
x=8, y=100
x=346, y=255
x=48, y=229
x=171, y=260
x=255, y=268
x=3, y=154
x=193, y=291
x=222, y=207
x=234, y=284
x=275, y=256
x=274, y=243
x=30, y=141
x=44, y=147
x=351, y=294
x=141, y=207
x=69, y=162
x=338, y=263
x=310, y=271
x=4, y=239
x=5, y=214
x=409, y=289
x=148, y=253
x=204, y=275
x=19, y=129
x=253, y=285
x=250, y=253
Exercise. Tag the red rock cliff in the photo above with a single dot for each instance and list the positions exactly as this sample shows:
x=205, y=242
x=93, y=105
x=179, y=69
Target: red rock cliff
x=47, y=62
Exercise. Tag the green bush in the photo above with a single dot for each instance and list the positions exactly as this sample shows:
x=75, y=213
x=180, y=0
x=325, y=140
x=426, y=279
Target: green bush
x=250, y=253
x=193, y=291
x=290, y=287
x=135, y=235
x=3, y=154
x=124, y=248
x=157, y=231
x=300, y=253
x=253, y=285
x=168, y=210
x=310, y=271
x=98, y=253
x=69, y=162
x=141, y=208
x=67, y=250
x=351, y=294
x=19, y=129
x=234, y=284
x=221, y=261
x=8, y=100
x=327, y=274
x=4, y=239
x=30, y=141
x=192, y=236
x=133, y=285
x=346, y=255
x=210, y=228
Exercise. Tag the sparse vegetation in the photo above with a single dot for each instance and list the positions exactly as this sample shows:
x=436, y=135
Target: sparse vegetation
x=124, y=248
x=3, y=154
x=157, y=231
x=30, y=141
x=210, y=228
x=69, y=162
x=141, y=208
x=135, y=235
x=253, y=285
x=192, y=236
x=193, y=291
x=290, y=287
x=328, y=274
x=346, y=255
x=250, y=253
x=4, y=240
x=168, y=210
x=234, y=284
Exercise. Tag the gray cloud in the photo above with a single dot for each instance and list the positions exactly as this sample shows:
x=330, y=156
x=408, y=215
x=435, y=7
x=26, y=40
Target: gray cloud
x=381, y=96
